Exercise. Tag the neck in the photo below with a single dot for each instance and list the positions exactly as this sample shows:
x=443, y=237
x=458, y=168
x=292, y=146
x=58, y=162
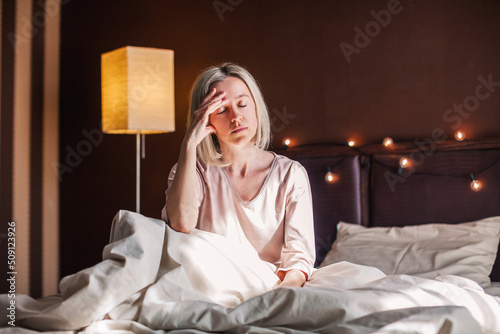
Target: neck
x=241, y=160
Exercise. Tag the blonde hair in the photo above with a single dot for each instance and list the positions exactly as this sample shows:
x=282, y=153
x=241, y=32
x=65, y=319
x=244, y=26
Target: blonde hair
x=209, y=150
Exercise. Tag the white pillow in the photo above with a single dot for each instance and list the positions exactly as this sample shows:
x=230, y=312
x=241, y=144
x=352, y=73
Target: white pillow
x=468, y=249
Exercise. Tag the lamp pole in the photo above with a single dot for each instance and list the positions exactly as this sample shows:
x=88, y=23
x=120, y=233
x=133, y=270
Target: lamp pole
x=138, y=172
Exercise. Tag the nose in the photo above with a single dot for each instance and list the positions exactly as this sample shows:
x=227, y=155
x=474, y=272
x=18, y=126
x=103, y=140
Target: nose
x=236, y=116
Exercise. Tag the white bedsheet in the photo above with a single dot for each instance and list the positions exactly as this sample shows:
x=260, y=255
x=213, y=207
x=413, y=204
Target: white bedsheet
x=493, y=289
x=141, y=287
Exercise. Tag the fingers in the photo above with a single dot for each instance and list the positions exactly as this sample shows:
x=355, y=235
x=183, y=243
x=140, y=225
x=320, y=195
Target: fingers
x=212, y=105
x=201, y=119
x=200, y=125
x=211, y=95
x=211, y=98
x=216, y=104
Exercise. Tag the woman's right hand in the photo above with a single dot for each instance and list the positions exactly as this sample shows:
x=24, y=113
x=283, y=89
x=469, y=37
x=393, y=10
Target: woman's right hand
x=200, y=126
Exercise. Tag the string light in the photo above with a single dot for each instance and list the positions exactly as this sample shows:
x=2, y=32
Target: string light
x=388, y=142
x=404, y=162
x=475, y=185
x=459, y=135
x=329, y=176
x=286, y=143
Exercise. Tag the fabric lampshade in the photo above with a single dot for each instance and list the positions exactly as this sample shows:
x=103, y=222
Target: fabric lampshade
x=138, y=90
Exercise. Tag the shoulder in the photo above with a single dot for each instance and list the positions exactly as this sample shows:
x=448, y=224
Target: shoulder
x=292, y=176
x=209, y=173
x=285, y=163
x=289, y=170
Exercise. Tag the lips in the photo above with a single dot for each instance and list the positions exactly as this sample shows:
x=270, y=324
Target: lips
x=240, y=129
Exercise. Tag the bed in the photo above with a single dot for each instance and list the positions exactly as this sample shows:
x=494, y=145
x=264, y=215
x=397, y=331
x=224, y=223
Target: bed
x=401, y=248
x=371, y=189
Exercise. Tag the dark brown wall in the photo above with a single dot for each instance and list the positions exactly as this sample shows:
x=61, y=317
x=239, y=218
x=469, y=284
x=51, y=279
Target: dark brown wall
x=427, y=58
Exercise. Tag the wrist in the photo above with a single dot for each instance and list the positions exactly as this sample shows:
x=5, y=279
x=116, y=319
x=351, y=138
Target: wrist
x=293, y=277
x=189, y=143
x=188, y=147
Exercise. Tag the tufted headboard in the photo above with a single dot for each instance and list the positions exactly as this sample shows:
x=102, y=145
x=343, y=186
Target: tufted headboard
x=370, y=187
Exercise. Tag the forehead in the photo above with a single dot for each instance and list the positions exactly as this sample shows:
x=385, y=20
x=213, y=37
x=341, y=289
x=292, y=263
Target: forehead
x=232, y=86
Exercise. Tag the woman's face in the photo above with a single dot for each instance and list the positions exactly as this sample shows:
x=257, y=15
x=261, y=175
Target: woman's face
x=235, y=122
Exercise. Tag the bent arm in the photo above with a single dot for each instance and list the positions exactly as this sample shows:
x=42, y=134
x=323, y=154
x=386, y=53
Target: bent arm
x=298, y=252
x=181, y=204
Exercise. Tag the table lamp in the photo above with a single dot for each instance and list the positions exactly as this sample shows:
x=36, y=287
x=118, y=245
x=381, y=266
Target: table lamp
x=137, y=86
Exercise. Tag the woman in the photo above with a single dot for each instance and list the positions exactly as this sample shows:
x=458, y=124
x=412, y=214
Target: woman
x=247, y=204
x=225, y=181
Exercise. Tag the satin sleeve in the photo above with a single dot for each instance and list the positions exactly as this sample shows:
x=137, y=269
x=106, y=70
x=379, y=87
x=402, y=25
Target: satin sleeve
x=298, y=251
x=171, y=176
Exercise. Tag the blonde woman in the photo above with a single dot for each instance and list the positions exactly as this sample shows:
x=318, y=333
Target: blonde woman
x=226, y=182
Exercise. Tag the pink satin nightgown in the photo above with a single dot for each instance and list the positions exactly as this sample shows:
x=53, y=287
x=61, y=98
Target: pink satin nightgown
x=278, y=222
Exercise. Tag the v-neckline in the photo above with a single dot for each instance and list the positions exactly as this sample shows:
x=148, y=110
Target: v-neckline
x=261, y=188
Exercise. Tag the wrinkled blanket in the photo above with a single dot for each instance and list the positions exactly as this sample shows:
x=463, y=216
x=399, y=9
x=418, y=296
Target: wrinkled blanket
x=155, y=280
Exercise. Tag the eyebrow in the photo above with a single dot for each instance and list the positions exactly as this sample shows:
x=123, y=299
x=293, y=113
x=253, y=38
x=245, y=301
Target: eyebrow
x=241, y=95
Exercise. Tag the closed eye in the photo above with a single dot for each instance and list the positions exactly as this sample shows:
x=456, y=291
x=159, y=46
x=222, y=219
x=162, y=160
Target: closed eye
x=221, y=111
x=242, y=106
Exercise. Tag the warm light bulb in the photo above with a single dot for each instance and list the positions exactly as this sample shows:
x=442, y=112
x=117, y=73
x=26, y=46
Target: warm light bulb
x=459, y=135
x=475, y=185
x=329, y=177
x=286, y=142
x=404, y=162
x=388, y=142
x=351, y=143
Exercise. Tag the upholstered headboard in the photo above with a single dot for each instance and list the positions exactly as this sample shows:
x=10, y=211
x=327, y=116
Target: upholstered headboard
x=370, y=187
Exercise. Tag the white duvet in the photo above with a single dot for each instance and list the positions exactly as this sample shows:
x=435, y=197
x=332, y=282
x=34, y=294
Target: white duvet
x=155, y=280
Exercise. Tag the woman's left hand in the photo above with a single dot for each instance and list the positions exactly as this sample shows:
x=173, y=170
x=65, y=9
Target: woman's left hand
x=292, y=278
